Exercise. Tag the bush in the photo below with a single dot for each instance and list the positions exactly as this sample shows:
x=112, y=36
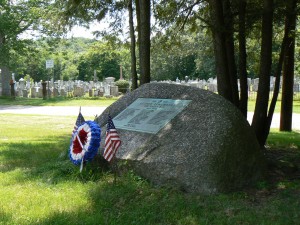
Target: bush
x=123, y=85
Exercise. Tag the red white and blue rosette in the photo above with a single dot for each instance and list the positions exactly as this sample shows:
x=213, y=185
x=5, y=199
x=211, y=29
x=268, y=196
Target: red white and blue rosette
x=85, y=142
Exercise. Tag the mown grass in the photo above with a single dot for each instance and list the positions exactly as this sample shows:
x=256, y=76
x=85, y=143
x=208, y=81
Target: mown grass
x=289, y=140
x=39, y=185
x=296, y=106
x=59, y=101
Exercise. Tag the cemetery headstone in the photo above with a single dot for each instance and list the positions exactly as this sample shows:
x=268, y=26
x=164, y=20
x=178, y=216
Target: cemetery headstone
x=296, y=87
x=33, y=92
x=55, y=92
x=21, y=87
x=25, y=93
x=255, y=84
x=109, y=80
x=114, y=91
x=40, y=93
x=63, y=93
x=78, y=92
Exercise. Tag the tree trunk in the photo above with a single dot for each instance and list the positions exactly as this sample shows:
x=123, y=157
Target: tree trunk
x=138, y=21
x=144, y=47
x=229, y=44
x=132, y=47
x=259, y=121
x=276, y=87
x=5, y=75
x=286, y=113
x=283, y=51
x=243, y=59
x=5, y=78
x=218, y=30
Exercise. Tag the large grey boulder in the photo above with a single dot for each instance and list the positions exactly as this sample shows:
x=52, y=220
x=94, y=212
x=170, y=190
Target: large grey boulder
x=209, y=147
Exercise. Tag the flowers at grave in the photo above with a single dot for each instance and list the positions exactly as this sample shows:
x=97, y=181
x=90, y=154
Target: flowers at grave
x=85, y=143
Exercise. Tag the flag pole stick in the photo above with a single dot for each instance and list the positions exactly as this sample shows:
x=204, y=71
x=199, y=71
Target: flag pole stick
x=113, y=164
x=115, y=172
x=115, y=168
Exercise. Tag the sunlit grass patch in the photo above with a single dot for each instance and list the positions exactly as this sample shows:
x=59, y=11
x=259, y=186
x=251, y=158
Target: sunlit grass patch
x=59, y=101
x=33, y=201
x=296, y=106
x=284, y=139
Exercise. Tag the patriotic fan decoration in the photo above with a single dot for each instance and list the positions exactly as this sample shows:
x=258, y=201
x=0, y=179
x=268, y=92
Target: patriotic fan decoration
x=85, y=142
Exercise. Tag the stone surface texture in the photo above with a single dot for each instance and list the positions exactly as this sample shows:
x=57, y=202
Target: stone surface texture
x=207, y=148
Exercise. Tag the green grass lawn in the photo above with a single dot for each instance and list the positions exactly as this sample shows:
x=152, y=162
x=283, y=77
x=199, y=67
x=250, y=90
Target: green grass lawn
x=59, y=101
x=296, y=106
x=39, y=185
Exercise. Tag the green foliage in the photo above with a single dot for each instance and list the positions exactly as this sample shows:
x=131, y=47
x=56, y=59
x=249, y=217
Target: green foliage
x=123, y=85
x=176, y=56
x=17, y=17
x=183, y=48
x=104, y=58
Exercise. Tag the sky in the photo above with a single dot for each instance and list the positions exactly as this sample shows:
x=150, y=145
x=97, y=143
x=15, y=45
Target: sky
x=77, y=31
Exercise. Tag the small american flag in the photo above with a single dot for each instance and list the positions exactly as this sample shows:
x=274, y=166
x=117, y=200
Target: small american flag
x=80, y=120
x=112, y=140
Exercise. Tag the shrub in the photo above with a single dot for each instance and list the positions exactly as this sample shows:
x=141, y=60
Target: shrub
x=123, y=85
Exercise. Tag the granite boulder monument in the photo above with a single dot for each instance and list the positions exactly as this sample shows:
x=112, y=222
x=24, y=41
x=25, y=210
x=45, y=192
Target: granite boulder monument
x=185, y=137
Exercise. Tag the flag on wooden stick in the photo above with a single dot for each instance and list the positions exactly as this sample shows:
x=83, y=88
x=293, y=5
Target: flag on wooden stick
x=112, y=140
x=80, y=120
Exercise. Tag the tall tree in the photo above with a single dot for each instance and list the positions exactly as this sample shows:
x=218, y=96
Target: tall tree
x=13, y=21
x=132, y=46
x=263, y=129
x=286, y=112
x=222, y=29
x=262, y=100
x=87, y=11
x=230, y=51
x=16, y=17
x=243, y=58
x=144, y=39
x=4, y=62
x=224, y=87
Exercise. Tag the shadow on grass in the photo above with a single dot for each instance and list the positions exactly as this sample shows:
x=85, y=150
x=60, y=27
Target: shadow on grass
x=48, y=161
x=131, y=200
x=32, y=154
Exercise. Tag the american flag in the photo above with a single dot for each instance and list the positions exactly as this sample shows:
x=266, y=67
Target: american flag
x=112, y=141
x=80, y=120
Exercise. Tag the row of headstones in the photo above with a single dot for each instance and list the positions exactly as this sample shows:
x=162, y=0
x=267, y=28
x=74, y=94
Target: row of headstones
x=75, y=88
x=211, y=84
x=79, y=88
